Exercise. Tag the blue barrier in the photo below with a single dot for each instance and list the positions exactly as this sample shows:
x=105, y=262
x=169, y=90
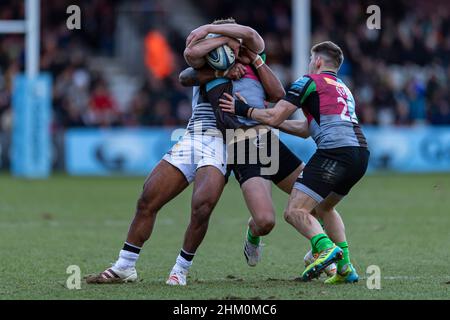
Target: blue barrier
x=115, y=151
x=31, y=141
x=137, y=151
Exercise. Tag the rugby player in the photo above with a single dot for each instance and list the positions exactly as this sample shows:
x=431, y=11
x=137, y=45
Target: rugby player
x=339, y=163
x=256, y=89
x=198, y=158
x=256, y=185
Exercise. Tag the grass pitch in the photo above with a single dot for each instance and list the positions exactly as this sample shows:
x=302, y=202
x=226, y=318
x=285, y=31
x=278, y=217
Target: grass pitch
x=399, y=222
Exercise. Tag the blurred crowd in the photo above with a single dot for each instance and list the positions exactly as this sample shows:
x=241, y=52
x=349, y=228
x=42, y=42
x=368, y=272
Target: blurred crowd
x=81, y=94
x=399, y=74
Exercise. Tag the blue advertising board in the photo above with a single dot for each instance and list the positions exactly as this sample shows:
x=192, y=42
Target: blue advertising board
x=400, y=149
x=115, y=151
x=137, y=151
x=31, y=142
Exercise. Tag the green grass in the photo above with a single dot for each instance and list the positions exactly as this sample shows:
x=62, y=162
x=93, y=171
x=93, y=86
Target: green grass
x=399, y=222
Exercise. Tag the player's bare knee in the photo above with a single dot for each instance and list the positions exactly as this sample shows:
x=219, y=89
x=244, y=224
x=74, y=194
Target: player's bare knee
x=201, y=211
x=288, y=215
x=265, y=224
x=146, y=206
x=293, y=214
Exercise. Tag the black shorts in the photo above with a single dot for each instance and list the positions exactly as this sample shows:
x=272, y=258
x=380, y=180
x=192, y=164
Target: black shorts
x=333, y=170
x=262, y=160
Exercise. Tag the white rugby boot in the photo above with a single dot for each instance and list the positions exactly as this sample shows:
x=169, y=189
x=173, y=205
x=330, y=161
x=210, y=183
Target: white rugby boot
x=177, y=276
x=113, y=275
x=252, y=253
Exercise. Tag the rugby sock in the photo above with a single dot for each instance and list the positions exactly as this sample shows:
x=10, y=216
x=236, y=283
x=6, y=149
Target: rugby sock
x=321, y=242
x=252, y=239
x=128, y=256
x=346, y=255
x=313, y=248
x=184, y=259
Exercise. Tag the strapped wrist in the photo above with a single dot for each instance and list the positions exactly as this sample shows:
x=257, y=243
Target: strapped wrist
x=258, y=62
x=241, y=108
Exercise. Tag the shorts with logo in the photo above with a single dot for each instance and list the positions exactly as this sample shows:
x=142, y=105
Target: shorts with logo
x=263, y=155
x=194, y=151
x=333, y=170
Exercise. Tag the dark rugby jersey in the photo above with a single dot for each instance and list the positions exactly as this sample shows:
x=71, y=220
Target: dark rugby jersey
x=329, y=107
x=203, y=118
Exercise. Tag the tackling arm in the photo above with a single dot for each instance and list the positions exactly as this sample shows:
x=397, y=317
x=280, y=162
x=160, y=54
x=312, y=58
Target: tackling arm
x=295, y=127
x=296, y=96
x=190, y=77
x=195, y=52
x=272, y=116
x=196, y=77
x=250, y=38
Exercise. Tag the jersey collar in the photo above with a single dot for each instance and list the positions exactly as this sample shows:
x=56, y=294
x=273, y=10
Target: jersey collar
x=332, y=73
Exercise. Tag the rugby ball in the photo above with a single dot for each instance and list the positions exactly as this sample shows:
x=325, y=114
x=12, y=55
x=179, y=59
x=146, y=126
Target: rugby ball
x=221, y=58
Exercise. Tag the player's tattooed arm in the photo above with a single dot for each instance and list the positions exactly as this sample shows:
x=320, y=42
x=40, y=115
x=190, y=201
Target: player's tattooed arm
x=190, y=77
x=272, y=116
x=196, y=51
x=297, y=128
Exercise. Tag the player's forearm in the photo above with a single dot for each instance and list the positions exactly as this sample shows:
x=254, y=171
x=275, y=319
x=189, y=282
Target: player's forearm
x=190, y=77
x=250, y=38
x=297, y=128
x=271, y=117
x=195, y=53
x=272, y=85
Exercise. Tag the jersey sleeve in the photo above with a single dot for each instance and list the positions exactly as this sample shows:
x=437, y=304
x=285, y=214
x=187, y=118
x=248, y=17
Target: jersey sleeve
x=300, y=90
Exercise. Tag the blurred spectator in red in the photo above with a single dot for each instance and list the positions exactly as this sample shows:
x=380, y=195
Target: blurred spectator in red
x=102, y=111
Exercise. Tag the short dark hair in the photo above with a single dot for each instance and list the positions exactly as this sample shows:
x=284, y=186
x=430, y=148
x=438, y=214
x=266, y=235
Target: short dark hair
x=224, y=21
x=331, y=51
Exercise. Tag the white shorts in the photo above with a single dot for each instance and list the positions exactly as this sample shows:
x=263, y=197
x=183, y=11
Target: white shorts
x=194, y=151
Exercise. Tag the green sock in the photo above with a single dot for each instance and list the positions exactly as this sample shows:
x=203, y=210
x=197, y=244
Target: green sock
x=346, y=255
x=321, y=242
x=252, y=239
x=313, y=247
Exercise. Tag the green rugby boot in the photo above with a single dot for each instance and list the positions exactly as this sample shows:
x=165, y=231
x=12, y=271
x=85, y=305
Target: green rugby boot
x=324, y=259
x=347, y=275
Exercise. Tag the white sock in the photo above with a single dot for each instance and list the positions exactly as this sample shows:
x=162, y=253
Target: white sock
x=127, y=259
x=183, y=263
